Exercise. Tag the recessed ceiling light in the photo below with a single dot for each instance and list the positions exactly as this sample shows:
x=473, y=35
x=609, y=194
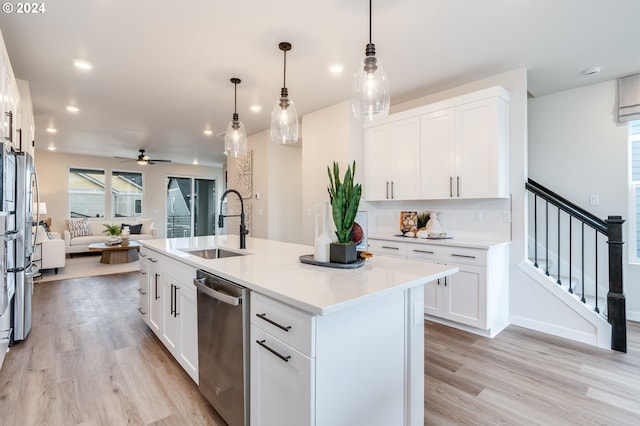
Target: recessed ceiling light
x=51, y=148
x=73, y=108
x=336, y=68
x=82, y=64
x=208, y=132
x=52, y=129
x=195, y=161
x=255, y=108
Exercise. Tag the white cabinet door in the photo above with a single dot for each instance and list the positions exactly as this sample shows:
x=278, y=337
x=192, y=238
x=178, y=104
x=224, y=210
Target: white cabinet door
x=437, y=154
x=376, y=163
x=281, y=389
x=392, y=161
x=466, y=296
x=170, y=307
x=404, y=150
x=433, y=297
x=188, y=329
x=477, y=149
x=155, y=296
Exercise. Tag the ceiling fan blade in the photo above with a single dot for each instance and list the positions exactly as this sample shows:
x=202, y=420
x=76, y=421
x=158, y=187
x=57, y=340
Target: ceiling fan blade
x=160, y=161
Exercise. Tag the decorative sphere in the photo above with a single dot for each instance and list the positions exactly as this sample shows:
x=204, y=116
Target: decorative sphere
x=357, y=233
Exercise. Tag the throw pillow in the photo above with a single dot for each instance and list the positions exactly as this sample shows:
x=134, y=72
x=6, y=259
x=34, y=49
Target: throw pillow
x=133, y=229
x=78, y=227
x=146, y=225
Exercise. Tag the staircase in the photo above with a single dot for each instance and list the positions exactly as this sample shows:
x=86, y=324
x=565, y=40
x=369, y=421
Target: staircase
x=581, y=255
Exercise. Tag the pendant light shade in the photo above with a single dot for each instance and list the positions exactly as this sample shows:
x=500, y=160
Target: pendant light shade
x=235, y=139
x=284, y=117
x=370, y=93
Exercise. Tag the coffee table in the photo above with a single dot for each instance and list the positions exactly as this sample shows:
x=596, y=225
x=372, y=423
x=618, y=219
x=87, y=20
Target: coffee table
x=117, y=253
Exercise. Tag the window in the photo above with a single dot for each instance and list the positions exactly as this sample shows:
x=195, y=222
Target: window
x=634, y=198
x=86, y=193
x=126, y=194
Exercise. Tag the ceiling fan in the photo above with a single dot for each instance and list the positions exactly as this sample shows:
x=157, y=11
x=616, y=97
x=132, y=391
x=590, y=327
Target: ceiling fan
x=144, y=159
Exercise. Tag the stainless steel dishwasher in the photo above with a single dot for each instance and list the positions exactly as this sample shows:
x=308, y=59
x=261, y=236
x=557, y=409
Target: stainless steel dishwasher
x=223, y=350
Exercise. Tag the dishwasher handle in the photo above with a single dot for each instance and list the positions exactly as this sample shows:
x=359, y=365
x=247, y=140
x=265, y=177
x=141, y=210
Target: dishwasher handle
x=223, y=297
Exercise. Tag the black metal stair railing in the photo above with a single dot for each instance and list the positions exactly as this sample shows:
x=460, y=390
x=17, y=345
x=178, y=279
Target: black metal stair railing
x=609, y=230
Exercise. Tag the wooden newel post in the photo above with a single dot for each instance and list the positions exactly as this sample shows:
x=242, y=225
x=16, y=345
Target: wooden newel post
x=616, y=306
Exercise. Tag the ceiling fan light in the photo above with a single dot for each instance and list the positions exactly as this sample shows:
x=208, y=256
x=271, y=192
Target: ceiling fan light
x=284, y=116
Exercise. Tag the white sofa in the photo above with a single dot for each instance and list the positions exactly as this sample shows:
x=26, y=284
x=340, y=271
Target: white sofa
x=96, y=234
x=49, y=250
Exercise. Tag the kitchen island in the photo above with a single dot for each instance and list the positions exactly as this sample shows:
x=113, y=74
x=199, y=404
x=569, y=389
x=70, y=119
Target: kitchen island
x=355, y=342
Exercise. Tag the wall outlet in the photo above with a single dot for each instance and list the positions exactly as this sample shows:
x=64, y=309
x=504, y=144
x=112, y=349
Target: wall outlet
x=594, y=200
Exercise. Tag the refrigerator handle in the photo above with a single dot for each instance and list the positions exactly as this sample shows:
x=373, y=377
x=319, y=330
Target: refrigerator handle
x=35, y=235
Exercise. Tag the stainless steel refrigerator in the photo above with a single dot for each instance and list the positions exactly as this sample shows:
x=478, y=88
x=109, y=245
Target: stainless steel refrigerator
x=26, y=184
x=8, y=234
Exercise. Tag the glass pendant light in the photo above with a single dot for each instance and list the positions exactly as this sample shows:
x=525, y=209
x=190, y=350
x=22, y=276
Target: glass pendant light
x=284, y=117
x=370, y=94
x=235, y=139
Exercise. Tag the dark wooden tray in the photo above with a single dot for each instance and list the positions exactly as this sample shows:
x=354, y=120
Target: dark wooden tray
x=308, y=258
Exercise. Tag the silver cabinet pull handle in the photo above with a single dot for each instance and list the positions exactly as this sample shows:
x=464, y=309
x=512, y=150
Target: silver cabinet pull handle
x=390, y=248
x=141, y=272
x=7, y=334
x=387, y=191
x=451, y=186
x=458, y=185
x=392, y=190
x=156, y=288
x=141, y=292
x=467, y=256
x=285, y=358
x=141, y=313
x=142, y=254
x=270, y=321
x=422, y=251
x=153, y=260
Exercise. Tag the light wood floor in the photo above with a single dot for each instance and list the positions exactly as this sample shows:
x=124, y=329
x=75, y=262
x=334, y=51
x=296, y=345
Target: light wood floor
x=91, y=360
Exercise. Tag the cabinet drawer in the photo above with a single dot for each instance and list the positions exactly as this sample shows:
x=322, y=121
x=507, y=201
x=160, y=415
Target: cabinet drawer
x=286, y=323
x=424, y=252
x=467, y=256
x=388, y=248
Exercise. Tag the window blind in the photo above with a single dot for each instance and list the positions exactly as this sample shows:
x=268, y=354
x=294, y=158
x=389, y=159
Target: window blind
x=629, y=98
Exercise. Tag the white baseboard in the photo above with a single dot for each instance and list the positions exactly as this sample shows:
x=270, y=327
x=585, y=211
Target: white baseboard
x=555, y=330
x=491, y=333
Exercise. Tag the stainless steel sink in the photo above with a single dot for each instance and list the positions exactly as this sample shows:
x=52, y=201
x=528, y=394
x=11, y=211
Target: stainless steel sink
x=213, y=253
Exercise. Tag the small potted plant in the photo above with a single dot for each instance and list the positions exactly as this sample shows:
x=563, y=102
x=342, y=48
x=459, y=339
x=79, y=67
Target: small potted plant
x=113, y=233
x=345, y=198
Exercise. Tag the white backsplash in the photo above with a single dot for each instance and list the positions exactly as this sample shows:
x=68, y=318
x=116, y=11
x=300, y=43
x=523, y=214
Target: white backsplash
x=470, y=219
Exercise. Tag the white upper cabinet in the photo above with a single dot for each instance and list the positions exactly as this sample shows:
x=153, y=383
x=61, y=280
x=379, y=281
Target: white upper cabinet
x=392, y=160
x=457, y=148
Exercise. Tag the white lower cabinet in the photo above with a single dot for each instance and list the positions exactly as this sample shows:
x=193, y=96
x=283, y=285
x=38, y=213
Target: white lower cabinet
x=172, y=306
x=476, y=296
x=299, y=363
x=281, y=382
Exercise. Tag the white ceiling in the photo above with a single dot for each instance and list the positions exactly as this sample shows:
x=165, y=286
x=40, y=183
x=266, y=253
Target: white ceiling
x=162, y=68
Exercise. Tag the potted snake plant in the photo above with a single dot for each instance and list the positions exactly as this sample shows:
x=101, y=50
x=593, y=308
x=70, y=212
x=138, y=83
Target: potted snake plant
x=345, y=197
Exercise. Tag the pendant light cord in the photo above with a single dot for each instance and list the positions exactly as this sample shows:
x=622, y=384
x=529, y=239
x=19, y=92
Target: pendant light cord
x=235, y=98
x=370, y=38
x=284, y=80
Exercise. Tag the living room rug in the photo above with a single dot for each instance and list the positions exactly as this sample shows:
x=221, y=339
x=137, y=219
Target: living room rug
x=85, y=266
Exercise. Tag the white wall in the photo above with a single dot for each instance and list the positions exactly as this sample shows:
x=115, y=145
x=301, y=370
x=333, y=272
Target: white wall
x=576, y=148
x=53, y=175
x=275, y=204
x=330, y=134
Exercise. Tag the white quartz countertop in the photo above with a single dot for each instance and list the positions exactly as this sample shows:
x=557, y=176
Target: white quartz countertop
x=453, y=242
x=273, y=268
